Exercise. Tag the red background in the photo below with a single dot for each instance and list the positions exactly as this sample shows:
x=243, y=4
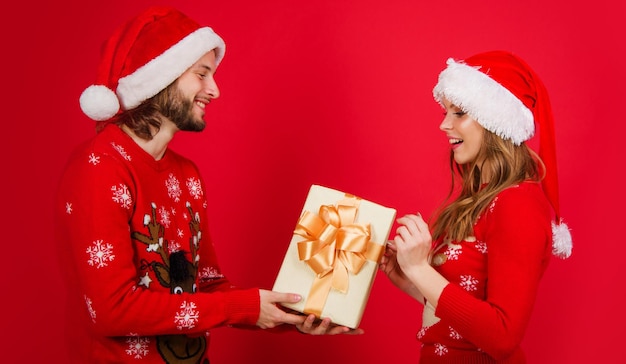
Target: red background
x=336, y=93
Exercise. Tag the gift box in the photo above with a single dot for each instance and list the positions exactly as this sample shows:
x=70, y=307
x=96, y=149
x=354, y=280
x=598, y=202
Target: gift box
x=333, y=255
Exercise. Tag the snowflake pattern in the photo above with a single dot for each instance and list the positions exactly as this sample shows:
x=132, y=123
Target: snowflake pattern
x=121, y=151
x=468, y=283
x=453, y=252
x=94, y=159
x=137, y=346
x=490, y=208
x=173, y=187
x=100, y=254
x=187, y=317
x=165, y=216
x=173, y=247
x=440, y=349
x=210, y=273
x=195, y=188
x=180, y=233
x=453, y=334
x=421, y=333
x=122, y=196
x=492, y=205
x=481, y=246
x=92, y=312
x=68, y=208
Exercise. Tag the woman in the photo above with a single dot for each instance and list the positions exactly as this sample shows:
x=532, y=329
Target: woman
x=477, y=268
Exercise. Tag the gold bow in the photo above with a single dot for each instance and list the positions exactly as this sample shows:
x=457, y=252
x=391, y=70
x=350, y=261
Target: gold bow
x=334, y=245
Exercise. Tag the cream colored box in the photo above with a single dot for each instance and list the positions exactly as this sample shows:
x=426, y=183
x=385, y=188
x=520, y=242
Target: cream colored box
x=297, y=276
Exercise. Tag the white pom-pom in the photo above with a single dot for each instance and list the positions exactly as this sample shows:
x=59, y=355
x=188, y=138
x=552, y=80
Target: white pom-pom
x=99, y=103
x=561, y=240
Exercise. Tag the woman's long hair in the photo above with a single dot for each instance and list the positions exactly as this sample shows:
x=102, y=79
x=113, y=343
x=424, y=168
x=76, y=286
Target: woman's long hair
x=508, y=166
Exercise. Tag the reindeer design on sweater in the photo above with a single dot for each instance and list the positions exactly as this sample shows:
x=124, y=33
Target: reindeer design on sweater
x=177, y=273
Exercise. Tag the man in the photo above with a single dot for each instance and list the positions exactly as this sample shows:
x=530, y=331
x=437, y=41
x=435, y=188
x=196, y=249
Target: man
x=143, y=279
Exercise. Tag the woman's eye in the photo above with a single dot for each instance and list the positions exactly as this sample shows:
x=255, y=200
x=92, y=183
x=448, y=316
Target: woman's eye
x=460, y=113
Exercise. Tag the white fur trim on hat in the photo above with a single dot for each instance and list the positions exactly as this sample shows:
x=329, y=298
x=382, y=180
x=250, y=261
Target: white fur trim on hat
x=99, y=102
x=561, y=240
x=156, y=75
x=485, y=100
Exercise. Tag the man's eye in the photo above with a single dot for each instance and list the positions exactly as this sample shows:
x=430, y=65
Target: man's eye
x=460, y=113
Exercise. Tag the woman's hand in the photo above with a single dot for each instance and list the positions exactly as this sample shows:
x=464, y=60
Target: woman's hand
x=413, y=242
x=312, y=326
x=389, y=265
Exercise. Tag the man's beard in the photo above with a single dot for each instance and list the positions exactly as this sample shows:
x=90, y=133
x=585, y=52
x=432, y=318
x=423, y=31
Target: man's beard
x=179, y=110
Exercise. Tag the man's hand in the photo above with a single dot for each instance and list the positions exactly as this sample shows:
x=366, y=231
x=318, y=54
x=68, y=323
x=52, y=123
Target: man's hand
x=271, y=315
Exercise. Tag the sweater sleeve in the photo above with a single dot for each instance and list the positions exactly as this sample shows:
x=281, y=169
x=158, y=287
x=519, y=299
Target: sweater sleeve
x=517, y=232
x=96, y=204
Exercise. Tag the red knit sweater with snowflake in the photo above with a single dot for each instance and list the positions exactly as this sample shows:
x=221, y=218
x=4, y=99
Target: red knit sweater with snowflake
x=482, y=315
x=143, y=280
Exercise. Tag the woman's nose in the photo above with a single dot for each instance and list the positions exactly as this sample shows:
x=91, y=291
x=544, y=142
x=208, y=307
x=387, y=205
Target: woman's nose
x=446, y=124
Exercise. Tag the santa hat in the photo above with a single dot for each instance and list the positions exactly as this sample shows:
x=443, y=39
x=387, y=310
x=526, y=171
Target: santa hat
x=503, y=94
x=143, y=57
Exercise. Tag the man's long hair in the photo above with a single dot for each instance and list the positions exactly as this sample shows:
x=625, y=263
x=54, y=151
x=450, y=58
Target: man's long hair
x=145, y=120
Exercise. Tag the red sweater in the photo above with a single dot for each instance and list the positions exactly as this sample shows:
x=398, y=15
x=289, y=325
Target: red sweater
x=143, y=279
x=494, y=275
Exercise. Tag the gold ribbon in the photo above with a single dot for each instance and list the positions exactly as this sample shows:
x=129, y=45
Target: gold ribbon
x=334, y=245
